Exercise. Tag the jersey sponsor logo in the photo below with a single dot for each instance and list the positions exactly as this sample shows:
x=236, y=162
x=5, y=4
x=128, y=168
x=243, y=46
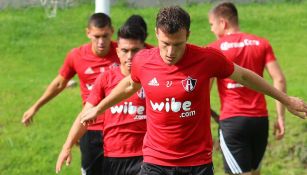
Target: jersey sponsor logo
x=128, y=108
x=234, y=85
x=189, y=84
x=139, y=117
x=246, y=42
x=141, y=93
x=153, y=82
x=89, y=86
x=174, y=106
x=89, y=71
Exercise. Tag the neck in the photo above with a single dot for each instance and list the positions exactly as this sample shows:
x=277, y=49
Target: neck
x=232, y=30
x=124, y=71
x=103, y=53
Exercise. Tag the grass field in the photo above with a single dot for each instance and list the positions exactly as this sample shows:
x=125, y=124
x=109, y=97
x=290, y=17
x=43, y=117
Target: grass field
x=33, y=48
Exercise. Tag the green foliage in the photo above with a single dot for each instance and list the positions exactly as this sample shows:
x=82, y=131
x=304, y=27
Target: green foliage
x=33, y=48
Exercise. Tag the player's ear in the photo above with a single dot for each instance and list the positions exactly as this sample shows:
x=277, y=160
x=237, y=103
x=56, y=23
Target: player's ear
x=223, y=23
x=188, y=34
x=112, y=29
x=156, y=32
x=87, y=32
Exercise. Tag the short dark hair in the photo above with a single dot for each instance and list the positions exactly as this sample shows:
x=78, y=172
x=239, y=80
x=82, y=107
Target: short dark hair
x=99, y=20
x=132, y=31
x=137, y=20
x=172, y=19
x=226, y=10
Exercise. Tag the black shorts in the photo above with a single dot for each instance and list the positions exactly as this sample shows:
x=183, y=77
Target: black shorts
x=152, y=169
x=91, y=146
x=243, y=141
x=123, y=166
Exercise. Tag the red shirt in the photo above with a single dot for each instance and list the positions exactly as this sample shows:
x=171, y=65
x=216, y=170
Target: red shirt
x=124, y=124
x=83, y=62
x=253, y=53
x=178, y=104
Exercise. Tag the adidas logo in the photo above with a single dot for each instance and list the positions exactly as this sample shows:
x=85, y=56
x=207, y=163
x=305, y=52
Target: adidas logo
x=153, y=82
x=89, y=70
x=89, y=86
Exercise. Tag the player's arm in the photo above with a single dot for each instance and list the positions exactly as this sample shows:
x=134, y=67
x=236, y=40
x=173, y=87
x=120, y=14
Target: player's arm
x=54, y=88
x=214, y=114
x=279, y=82
x=125, y=88
x=250, y=79
x=76, y=132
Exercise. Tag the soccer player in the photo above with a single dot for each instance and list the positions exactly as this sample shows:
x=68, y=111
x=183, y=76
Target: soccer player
x=139, y=20
x=175, y=77
x=244, y=116
x=87, y=61
x=124, y=124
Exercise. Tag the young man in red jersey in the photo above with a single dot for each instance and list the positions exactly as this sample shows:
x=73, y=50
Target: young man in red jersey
x=244, y=116
x=124, y=124
x=176, y=78
x=87, y=61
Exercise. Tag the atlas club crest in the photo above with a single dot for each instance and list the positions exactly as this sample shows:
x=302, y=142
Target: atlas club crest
x=189, y=84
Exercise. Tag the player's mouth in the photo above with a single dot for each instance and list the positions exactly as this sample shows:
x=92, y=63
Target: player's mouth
x=101, y=47
x=170, y=58
x=128, y=63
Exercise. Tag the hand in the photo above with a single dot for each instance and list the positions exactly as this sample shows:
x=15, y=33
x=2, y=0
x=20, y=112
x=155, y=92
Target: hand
x=297, y=107
x=89, y=116
x=279, y=128
x=65, y=155
x=27, y=117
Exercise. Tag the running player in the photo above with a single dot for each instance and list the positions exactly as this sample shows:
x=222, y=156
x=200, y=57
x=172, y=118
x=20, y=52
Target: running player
x=244, y=116
x=87, y=61
x=175, y=77
x=124, y=124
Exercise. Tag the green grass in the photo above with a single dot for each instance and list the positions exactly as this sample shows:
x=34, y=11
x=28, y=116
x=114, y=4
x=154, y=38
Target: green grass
x=33, y=48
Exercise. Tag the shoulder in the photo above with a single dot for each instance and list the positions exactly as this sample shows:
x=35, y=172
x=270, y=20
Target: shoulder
x=113, y=45
x=78, y=51
x=207, y=51
x=262, y=41
x=146, y=54
x=148, y=46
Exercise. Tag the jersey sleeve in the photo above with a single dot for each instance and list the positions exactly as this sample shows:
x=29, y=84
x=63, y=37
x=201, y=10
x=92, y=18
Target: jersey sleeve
x=67, y=70
x=98, y=92
x=135, y=69
x=269, y=53
x=223, y=67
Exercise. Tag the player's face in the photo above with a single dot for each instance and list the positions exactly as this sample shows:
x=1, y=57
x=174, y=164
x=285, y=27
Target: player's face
x=172, y=46
x=126, y=49
x=100, y=39
x=217, y=26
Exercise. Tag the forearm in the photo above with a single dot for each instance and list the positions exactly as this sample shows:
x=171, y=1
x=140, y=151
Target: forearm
x=256, y=82
x=280, y=85
x=122, y=91
x=55, y=87
x=76, y=132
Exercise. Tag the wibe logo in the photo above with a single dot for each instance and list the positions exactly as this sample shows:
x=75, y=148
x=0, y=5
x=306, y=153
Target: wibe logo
x=171, y=105
x=153, y=82
x=128, y=108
